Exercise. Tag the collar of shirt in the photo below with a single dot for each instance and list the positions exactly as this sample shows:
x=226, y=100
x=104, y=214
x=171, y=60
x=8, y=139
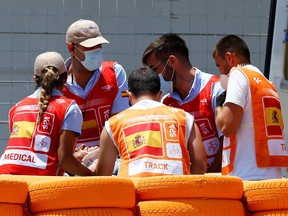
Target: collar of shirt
x=146, y=104
x=194, y=90
x=36, y=93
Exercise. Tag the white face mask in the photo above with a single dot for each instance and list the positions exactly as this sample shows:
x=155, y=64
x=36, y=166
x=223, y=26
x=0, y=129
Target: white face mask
x=166, y=86
x=93, y=59
x=224, y=81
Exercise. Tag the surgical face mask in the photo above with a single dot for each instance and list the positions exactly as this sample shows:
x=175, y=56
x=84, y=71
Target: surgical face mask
x=224, y=81
x=166, y=86
x=93, y=59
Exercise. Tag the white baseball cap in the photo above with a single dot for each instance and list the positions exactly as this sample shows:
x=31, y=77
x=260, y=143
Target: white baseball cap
x=49, y=59
x=84, y=32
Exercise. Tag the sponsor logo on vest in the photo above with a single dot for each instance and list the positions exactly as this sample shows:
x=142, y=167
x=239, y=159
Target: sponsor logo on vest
x=211, y=146
x=257, y=80
x=42, y=143
x=205, y=128
x=60, y=101
x=106, y=114
x=46, y=125
x=203, y=101
x=46, y=122
x=172, y=131
x=107, y=88
x=174, y=150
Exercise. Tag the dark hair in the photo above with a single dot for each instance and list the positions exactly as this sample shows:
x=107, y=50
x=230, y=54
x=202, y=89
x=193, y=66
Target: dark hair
x=233, y=44
x=167, y=44
x=143, y=81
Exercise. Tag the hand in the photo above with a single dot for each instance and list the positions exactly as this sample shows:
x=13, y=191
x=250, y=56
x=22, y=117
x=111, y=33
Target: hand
x=221, y=99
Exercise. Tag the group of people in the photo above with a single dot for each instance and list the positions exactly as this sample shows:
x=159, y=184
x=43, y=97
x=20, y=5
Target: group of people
x=85, y=115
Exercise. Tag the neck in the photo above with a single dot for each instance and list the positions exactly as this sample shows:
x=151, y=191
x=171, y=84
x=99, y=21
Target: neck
x=80, y=74
x=184, y=82
x=241, y=64
x=146, y=97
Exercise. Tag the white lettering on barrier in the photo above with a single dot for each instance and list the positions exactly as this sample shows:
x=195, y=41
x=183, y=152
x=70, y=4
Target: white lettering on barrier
x=24, y=158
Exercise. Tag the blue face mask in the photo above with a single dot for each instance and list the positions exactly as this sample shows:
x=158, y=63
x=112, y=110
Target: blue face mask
x=166, y=86
x=93, y=59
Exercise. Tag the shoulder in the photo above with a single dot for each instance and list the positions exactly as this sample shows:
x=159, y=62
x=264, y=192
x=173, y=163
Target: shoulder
x=206, y=75
x=118, y=68
x=109, y=64
x=115, y=67
x=176, y=110
x=236, y=74
x=205, y=78
x=165, y=97
x=112, y=64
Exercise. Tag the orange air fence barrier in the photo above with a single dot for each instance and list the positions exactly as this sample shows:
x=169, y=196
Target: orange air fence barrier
x=13, y=195
x=201, y=195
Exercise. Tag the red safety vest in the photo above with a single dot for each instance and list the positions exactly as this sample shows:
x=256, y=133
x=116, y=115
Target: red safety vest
x=201, y=108
x=96, y=107
x=32, y=148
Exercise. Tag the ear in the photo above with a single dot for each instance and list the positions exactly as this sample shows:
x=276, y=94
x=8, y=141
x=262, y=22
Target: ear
x=159, y=95
x=70, y=47
x=34, y=77
x=130, y=97
x=172, y=61
x=230, y=57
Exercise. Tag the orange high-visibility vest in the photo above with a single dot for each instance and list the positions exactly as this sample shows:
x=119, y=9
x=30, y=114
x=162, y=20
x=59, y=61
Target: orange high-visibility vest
x=151, y=141
x=268, y=125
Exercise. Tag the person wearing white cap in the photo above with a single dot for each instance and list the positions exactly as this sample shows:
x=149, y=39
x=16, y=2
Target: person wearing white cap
x=96, y=85
x=44, y=126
